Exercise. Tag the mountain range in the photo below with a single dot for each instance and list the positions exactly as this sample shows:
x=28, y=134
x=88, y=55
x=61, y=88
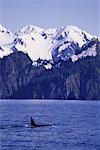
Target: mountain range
x=59, y=63
x=59, y=43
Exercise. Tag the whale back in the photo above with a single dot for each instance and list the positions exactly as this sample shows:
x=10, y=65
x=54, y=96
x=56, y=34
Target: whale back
x=33, y=124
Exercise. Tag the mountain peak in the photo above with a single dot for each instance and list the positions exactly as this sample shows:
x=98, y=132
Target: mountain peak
x=75, y=34
x=29, y=29
x=6, y=36
x=4, y=30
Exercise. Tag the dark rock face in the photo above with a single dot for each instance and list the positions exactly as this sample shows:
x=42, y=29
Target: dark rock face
x=72, y=86
x=78, y=80
x=14, y=71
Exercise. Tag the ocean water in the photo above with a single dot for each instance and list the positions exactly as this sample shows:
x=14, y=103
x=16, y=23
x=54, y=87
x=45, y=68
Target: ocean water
x=75, y=125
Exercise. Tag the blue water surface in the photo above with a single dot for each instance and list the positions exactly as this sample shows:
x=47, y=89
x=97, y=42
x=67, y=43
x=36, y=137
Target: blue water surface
x=75, y=125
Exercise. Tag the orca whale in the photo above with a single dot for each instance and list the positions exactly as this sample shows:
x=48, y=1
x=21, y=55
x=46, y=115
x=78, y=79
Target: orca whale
x=34, y=125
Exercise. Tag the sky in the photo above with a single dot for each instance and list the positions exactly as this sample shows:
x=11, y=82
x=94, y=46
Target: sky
x=14, y=14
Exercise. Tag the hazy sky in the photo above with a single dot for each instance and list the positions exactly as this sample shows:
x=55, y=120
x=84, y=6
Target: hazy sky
x=85, y=14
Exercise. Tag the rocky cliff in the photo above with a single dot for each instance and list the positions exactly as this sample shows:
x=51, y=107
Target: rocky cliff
x=19, y=78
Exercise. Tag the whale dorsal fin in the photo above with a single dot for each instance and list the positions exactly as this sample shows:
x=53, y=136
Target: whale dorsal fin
x=33, y=124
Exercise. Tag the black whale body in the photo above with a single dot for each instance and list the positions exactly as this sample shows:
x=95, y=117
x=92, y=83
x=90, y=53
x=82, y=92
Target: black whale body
x=34, y=125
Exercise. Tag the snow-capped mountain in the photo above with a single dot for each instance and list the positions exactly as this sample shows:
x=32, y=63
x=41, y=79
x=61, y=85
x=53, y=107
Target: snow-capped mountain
x=56, y=44
x=6, y=40
x=35, y=41
x=69, y=40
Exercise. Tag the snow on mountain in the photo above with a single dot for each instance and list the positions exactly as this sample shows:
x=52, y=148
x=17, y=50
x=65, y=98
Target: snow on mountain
x=73, y=34
x=77, y=35
x=35, y=42
x=62, y=43
x=6, y=37
x=51, y=31
x=28, y=29
x=68, y=40
x=6, y=40
x=88, y=52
